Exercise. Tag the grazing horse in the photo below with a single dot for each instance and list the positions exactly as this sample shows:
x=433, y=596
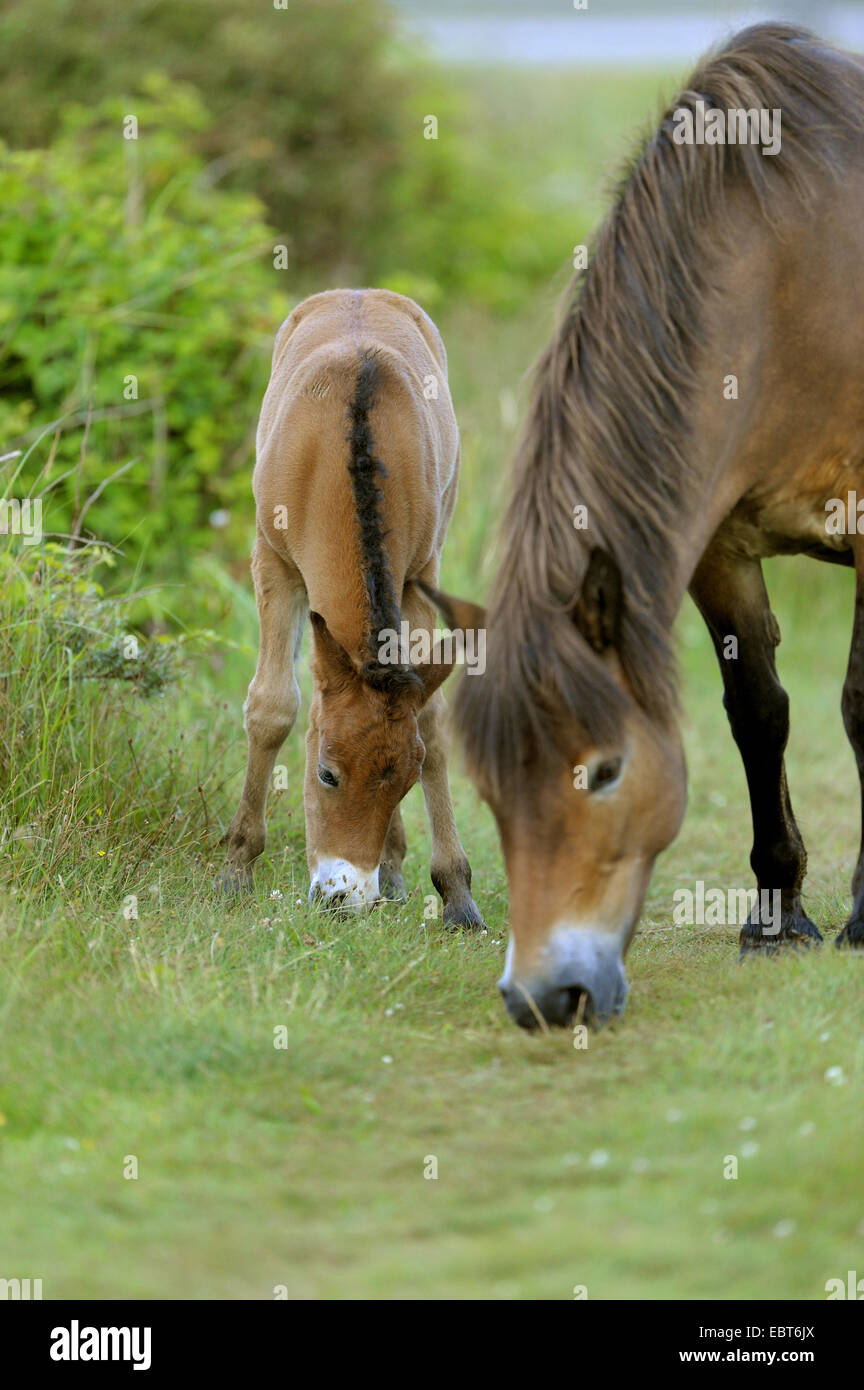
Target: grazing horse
x=699, y=408
x=355, y=481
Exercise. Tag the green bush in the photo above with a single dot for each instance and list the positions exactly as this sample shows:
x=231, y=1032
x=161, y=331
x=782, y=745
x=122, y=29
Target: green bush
x=304, y=104
x=124, y=271
x=319, y=109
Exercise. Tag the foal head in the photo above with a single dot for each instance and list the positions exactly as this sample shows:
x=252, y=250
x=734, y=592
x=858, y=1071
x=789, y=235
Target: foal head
x=581, y=816
x=363, y=753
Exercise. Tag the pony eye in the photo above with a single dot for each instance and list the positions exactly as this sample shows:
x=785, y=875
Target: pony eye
x=328, y=778
x=604, y=774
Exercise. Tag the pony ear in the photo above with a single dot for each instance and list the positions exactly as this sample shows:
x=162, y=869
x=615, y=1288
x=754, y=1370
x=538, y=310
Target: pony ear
x=459, y=616
x=331, y=662
x=434, y=674
x=598, y=609
x=456, y=612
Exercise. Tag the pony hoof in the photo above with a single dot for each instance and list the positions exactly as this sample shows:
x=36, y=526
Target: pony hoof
x=231, y=881
x=796, y=931
x=464, y=913
x=851, y=937
x=391, y=885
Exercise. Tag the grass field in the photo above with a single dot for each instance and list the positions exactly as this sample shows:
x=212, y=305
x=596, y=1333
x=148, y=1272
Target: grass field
x=261, y=1167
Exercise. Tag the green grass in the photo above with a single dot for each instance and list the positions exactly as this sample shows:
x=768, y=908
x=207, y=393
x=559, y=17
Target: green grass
x=303, y=1166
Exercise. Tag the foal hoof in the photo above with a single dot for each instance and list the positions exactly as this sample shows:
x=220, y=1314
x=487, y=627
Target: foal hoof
x=231, y=881
x=464, y=913
x=391, y=885
x=851, y=937
x=796, y=931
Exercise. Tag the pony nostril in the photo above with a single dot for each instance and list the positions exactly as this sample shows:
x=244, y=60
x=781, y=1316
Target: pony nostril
x=536, y=1005
x=329, y=901
x=579, y=1005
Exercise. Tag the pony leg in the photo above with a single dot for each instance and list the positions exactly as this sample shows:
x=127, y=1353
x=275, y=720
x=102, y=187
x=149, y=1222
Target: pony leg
x=450, y=870
x=731, y=596
x=853, y=720
x=390, y=880
x=271, y=705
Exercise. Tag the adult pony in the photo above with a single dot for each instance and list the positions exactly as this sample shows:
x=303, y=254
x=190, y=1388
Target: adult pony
x=355, y=481
x=702, y=401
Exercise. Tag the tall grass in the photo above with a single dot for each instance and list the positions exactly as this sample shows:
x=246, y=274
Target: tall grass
x=93, y=765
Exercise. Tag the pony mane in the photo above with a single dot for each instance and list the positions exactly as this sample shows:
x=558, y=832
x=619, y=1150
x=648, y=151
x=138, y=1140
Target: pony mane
x=608, y=423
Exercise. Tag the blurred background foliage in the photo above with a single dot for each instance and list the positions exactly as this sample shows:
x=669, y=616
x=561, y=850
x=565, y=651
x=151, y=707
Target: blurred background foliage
x=317, y=109
x=140, y=280
x=137, y=314
x=303, y=103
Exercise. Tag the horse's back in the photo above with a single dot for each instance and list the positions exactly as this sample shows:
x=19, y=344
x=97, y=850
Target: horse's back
x=318, y=347
x=338, y=352
x=317, y=356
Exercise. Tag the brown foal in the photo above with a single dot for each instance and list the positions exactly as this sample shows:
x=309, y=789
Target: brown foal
x=355, y=482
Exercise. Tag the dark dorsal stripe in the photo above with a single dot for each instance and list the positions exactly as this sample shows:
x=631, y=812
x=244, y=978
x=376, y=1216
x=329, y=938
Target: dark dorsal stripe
x=365, y=469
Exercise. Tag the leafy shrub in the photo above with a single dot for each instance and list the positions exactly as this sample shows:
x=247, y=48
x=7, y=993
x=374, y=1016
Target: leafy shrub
x=320, y=110
x=303, y=103
x=137, y=309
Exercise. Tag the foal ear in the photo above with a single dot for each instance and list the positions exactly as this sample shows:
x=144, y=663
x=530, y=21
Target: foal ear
x=434, y=674
x=597, y=611
x=456, y=612
x=331, y=662
x=459, y=616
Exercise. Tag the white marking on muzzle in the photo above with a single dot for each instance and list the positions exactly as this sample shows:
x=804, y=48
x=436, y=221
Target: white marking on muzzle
x=334, y=876
x=507, y=977
x=573, y=946
x=575, y=955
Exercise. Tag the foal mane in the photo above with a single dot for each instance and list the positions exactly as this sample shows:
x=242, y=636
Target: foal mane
x=365, y=468
x=607, y=427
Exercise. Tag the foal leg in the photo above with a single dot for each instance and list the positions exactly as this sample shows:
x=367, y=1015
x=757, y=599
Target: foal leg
x=391, y=884
x=450, y=870
x=853, y=719
x=730, y=594
x=271, y=705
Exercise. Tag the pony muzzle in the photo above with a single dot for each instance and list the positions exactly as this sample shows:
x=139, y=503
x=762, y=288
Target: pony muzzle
x=579, y=978
x=338, y=884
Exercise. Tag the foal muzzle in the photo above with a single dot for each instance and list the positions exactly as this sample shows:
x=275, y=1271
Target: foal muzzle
x=338, y=884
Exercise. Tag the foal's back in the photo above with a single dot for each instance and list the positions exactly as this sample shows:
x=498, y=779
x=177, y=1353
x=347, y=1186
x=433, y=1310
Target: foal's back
x=303, y=445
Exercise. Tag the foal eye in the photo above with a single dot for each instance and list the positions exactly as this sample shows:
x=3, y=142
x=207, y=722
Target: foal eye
x=325, y=776
x=604, y=774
